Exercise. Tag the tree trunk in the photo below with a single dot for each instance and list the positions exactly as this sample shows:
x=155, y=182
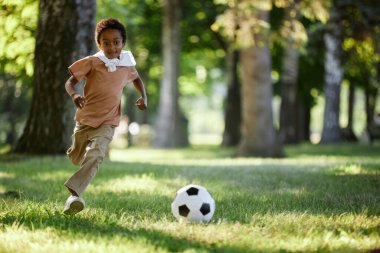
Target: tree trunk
x=372, y=90
x=333, y=77
x=289, y=78
x=171, y=129
x=303, y=122
x=258, y=133
x=231, y=135
x=348, y=132
x=8, y=107
x=373, y=129
x=351, y=102
x=63, y=36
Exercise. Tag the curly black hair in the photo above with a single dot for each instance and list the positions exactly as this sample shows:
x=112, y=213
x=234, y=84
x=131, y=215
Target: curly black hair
x=109, y=23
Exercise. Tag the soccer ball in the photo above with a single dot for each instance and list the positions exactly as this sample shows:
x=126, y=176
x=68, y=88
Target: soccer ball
x=193, y=203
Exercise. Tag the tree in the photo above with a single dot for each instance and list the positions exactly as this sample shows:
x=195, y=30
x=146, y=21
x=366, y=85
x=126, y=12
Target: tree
x=232, y=134
x=258, y=134
x=333, y=77
x=232, y=105
x=310, y=77
x=289, y=75
x=361, y=51
x=171, y=129
x=247, y=24
x=353, y=26
x=64, y=34
x=300, y=55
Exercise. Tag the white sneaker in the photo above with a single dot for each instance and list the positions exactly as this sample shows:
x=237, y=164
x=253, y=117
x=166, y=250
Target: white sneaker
x=73, y=205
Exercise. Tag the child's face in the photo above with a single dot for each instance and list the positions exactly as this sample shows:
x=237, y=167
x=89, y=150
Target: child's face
x=111, y=43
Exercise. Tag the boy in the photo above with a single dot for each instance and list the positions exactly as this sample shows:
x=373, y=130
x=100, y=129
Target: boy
x=99, y=109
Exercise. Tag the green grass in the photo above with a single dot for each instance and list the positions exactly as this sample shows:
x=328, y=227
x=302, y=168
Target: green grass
x=318, y=199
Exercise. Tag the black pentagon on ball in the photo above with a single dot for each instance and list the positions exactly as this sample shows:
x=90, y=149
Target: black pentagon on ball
x=205, y=208
x=183, y=210
x=192, y=191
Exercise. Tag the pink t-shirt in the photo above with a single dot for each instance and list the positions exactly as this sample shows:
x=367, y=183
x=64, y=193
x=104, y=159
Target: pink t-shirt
x=102, y=90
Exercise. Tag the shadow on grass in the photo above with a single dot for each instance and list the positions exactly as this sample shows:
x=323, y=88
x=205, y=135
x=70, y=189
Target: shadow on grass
x=87, y=227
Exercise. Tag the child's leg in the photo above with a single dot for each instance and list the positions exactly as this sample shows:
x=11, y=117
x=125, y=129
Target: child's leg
x=79, y=142
x=99, y=139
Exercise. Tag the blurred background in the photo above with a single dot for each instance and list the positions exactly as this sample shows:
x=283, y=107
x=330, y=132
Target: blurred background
x=254, y=75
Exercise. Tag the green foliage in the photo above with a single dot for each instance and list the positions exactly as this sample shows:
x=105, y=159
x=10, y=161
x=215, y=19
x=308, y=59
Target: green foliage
x=360, y=64
x=310, y=45
x=315, y=10
x=198, y=17
x=319, y=199
x=200, y=71
x=18, y=23
x=361, y=44
x=241, y=23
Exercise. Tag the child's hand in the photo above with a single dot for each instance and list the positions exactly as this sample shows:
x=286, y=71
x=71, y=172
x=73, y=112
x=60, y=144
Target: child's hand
x=141, y=103
x=79, y=100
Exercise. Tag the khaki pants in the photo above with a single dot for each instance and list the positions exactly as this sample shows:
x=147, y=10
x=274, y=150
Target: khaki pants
x=88, y=149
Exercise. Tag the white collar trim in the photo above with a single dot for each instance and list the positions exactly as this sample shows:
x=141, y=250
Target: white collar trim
x=126, y=59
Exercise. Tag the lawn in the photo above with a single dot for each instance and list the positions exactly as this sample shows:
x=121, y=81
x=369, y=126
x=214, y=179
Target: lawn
x=317, y=199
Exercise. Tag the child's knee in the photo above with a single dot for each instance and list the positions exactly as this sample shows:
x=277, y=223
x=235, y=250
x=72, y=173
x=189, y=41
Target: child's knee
x=98, y=149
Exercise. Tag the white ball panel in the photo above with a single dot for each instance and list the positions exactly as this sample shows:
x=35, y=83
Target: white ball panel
x=195, y=216
x=204, y=195
x=194, y=203
x=181, y=198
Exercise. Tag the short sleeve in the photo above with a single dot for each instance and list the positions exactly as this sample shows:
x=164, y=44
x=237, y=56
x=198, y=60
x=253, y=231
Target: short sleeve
x=81, y=68
x=133, y=74
x=131, y=58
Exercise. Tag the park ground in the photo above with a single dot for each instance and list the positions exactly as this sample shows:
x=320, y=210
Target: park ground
x=317, y=199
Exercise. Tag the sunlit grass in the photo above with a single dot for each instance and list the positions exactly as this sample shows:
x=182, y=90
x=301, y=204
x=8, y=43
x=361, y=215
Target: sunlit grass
x=318, y=199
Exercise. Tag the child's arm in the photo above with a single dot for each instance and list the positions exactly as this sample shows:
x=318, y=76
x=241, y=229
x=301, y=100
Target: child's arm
x=78, y=99
x=142, y=102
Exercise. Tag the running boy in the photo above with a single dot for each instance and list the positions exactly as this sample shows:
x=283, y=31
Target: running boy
x=99, y=109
